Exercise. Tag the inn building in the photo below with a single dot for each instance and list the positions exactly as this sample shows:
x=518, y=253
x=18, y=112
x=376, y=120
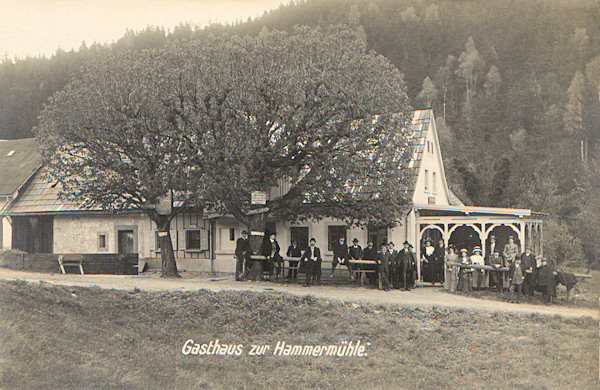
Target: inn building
x=35, y=220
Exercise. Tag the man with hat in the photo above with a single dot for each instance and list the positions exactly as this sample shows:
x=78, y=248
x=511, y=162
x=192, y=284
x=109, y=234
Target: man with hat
x=271, y=250
x=477, y=259
x=242, y=256
x=511, y=251
x=370, y=253
x=394, y=265
x=355, y=252
x=341, y=256
x=312, y=263
x=383, y=267
x=294, y=251
x=490, y=248
x=529, y=264
x=406, y=260
x=496, y=279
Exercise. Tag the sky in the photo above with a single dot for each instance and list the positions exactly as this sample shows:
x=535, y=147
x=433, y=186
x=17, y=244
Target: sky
x=40, y=27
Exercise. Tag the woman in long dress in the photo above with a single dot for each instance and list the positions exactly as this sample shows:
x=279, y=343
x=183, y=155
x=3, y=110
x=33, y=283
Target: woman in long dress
x=451, y=279
x=465, y=281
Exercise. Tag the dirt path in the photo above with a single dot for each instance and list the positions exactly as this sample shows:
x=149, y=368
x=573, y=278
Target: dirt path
x=420, y=297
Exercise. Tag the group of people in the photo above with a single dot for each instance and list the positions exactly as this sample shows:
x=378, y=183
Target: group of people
x=391, y=268
x=526, y=272
x=456, y=269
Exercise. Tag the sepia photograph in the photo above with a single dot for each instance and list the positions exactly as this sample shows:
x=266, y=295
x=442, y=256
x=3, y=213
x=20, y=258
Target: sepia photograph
x=299, y=194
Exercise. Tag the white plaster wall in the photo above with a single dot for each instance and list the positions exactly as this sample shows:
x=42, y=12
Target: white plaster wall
x=432, y=162
x=6, y=233
x=79, y=234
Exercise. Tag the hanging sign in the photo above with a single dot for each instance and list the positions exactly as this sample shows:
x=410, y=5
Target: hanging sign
x=258, y=198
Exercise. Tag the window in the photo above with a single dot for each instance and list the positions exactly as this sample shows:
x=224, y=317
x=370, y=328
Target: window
x=378, y=234
x=231, y=234
x=156, y=242
x=426, y=180
x=300, y=235
x=102, y=242
x=433, y=182
x=193, y=240
x=333, y=235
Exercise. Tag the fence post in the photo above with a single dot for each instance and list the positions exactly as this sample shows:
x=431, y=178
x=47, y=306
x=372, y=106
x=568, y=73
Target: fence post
x=22, y=261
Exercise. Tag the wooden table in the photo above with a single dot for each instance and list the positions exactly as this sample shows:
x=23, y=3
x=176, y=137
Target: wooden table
x=362, y=272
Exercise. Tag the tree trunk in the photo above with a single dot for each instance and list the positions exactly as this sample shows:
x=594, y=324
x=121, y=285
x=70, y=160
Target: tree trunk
x=167, y=256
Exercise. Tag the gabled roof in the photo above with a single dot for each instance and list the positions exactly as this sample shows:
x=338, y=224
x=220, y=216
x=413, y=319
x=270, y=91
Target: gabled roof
x=41, y=196
x=19, y=159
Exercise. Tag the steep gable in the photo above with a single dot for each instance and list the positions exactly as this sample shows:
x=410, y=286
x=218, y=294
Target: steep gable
x=430, y=186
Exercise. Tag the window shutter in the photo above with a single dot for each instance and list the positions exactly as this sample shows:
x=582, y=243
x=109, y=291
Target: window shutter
x=174, y=240
x=181, y=239
x=204, y=239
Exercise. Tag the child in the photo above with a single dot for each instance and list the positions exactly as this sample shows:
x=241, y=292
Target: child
x=515, y=273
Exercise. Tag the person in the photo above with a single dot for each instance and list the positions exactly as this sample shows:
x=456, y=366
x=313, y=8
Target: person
x=394, y=265
x=383, y=267
x=491, y=248
x=477, y=259
x=427, y=260
x=271, y=250
x=405, y=264
x=465, y=281
x=496, y=278
x=511, y=250
x=242, y=256
x=312, y=263
x=293, y=251
x=370, y=253
x=355, y=252
x=451, y=278
x=437, y=269
x=340, y=256
x=529, y=264
x=515, y=274
x=412, y=268
x=546, y=280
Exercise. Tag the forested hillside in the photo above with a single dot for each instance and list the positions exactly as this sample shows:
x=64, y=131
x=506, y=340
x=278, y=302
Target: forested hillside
x=514, y=86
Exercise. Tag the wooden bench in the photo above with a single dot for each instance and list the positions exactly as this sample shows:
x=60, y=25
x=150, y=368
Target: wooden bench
x=70, y=261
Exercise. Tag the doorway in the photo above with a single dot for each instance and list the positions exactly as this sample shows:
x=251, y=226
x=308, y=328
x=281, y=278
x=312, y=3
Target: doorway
x=126, y=242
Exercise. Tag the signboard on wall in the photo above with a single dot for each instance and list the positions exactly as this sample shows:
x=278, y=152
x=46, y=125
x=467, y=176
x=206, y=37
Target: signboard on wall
x=258, y=198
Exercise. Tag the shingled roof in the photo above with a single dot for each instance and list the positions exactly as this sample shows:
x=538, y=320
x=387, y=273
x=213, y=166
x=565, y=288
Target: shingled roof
x=41, y=196
x=19, y=159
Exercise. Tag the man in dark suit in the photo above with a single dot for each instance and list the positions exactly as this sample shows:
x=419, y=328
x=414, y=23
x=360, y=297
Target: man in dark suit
x=370, y=253
x=271, y=250
x=393, y=260
x=242, y=255
x=529, y=263
x=405, y=261
x=293, y=251
x=340, y=256
x=383, y=267
x=312, y=263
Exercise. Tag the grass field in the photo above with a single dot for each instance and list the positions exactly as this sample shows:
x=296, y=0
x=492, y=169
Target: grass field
x=75, y=337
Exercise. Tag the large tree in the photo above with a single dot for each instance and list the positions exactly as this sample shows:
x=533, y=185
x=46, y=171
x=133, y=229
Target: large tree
x=312, y=118
x=111, y=140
